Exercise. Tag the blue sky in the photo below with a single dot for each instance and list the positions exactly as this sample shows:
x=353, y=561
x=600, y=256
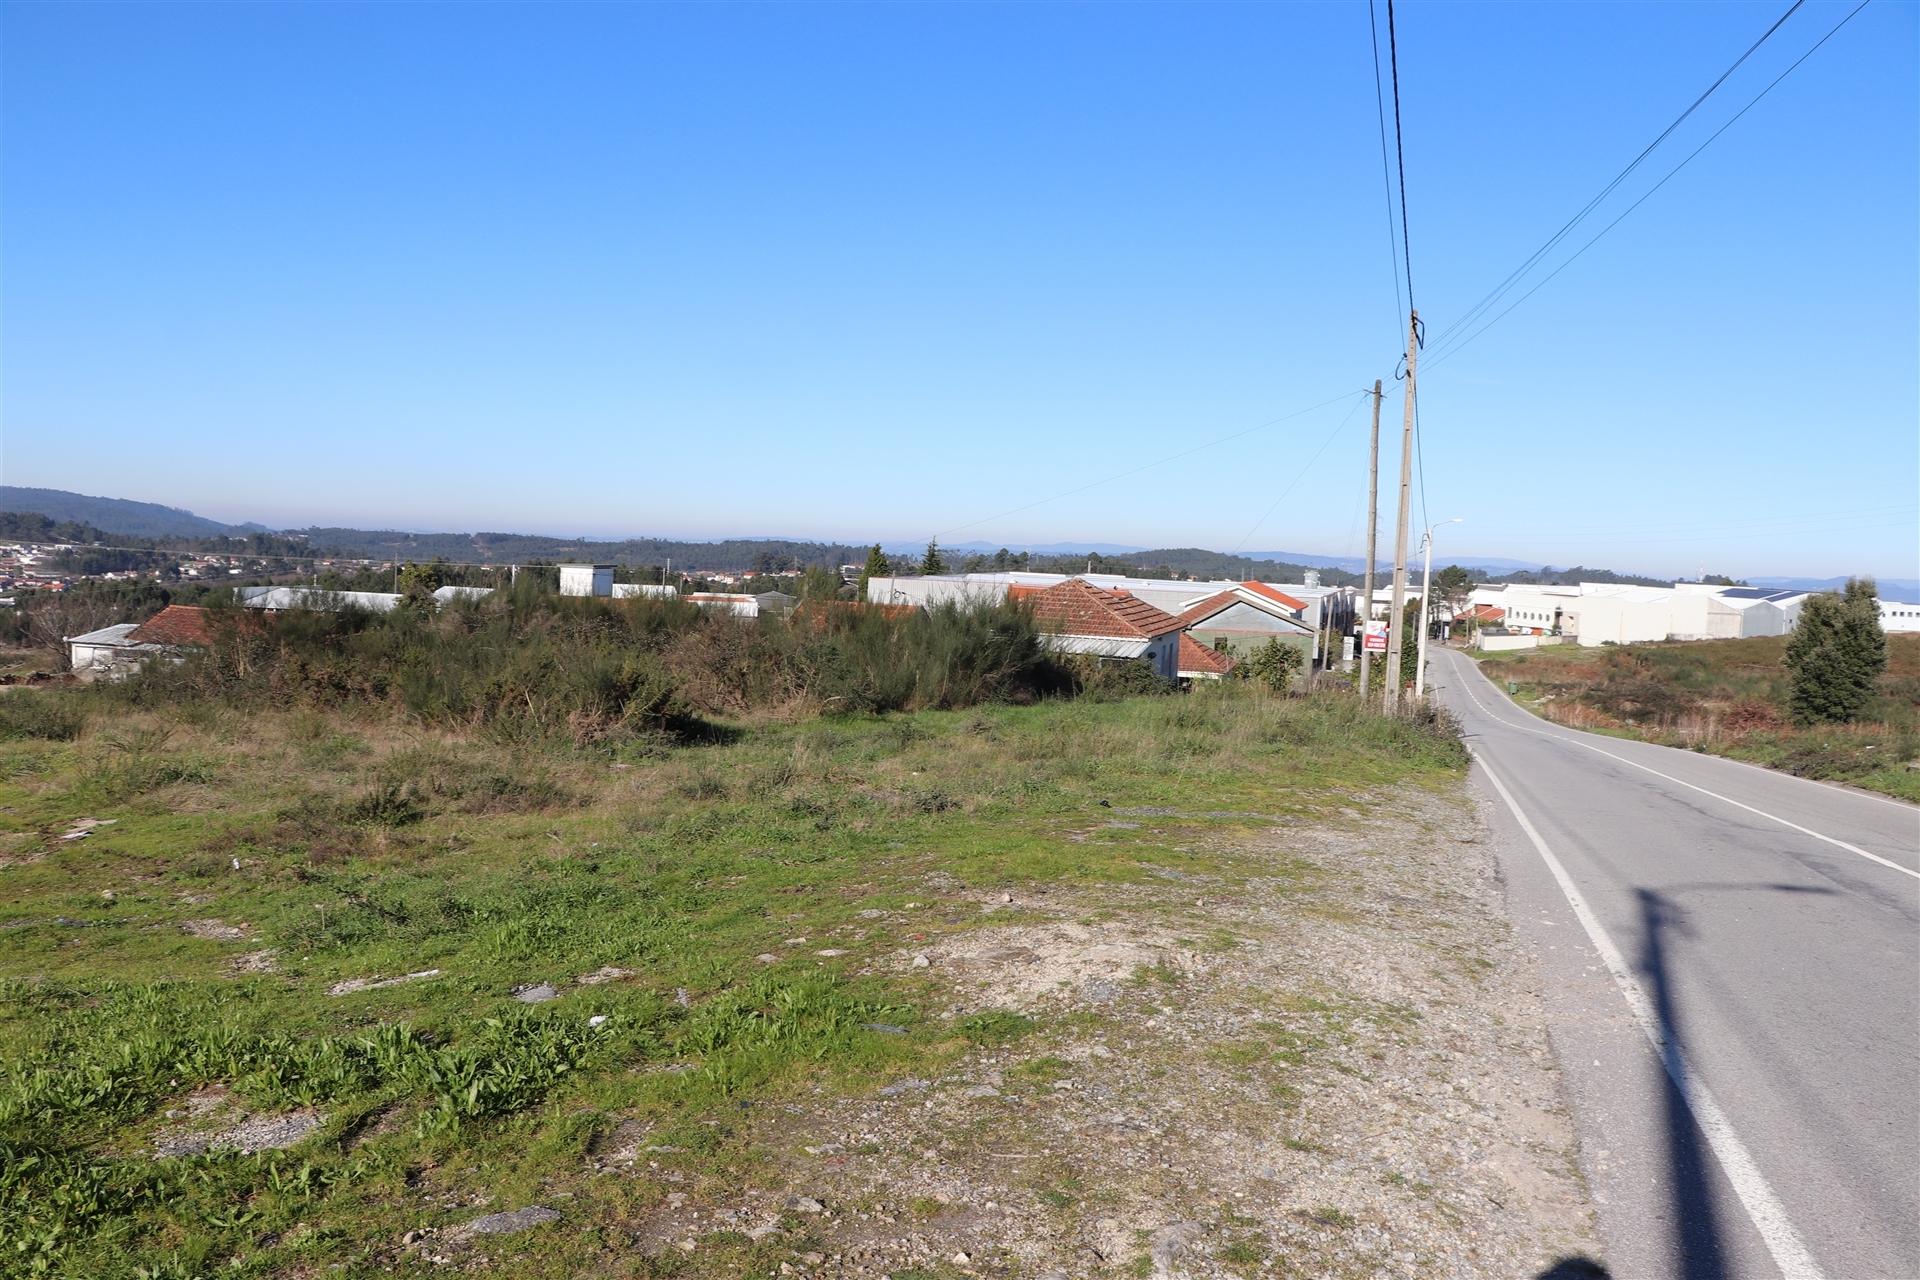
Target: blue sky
x=887, y=271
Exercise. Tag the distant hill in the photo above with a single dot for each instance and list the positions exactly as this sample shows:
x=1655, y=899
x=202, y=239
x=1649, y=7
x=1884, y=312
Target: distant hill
x=1358, y=564
x=118, y=515
x=764, y=554
x=1896, y=588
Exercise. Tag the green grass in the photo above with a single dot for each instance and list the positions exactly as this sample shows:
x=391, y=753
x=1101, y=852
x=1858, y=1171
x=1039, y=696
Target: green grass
x=358, y=848
x=1727, y=697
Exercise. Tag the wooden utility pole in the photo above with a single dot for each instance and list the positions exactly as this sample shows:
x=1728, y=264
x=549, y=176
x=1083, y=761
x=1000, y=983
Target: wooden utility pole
x=1395, y=624
x=1373, y=534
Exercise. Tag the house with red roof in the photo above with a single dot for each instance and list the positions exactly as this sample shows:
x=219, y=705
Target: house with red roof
x=1245, y=620
x=115, y=652
x=1202, y=662
x=1078, y=617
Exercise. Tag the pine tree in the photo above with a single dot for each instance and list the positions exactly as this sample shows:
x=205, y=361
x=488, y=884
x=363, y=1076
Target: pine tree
x=1836, y=654
x=933, y=562
x=877, y=567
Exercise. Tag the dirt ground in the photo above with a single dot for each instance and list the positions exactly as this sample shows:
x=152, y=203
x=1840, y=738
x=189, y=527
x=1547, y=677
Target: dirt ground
x=1332, y=1063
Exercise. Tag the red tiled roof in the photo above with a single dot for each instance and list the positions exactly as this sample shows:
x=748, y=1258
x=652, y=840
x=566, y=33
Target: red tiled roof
x=1220, y=600
x=1208, y=607
x=1079, y=608
x=1486, y=613
x=1195, y=656
x=175, y=624
x=1279, y=597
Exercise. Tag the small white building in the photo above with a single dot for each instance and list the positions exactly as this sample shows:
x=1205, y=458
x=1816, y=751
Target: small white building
x=106, y=653
x=447, y=595
x=586, y=580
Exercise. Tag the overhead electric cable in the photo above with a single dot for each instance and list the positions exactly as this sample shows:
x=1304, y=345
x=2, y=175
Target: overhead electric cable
x=1273, y=506
x=1460, y=344
x=1386, y=176
x=1400, y=150
x=1513, y=278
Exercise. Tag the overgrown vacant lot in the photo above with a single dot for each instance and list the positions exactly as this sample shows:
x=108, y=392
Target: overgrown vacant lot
x=1205, y=985
x=1728, y=697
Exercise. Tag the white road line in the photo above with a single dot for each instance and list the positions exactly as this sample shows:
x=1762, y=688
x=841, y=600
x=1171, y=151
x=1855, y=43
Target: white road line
x=1855, y=793
x=1771, y=817
x=1763, y=1207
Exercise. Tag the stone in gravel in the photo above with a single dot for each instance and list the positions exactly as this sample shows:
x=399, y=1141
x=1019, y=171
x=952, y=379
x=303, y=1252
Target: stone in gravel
x=535, y=992
x=255, y=962
x=898, y=1087
x=351, y=985
x=767, y=957
x=921, y=961
x=1171, y=1243
x=981, y=1091
x=884, y=1028
x=605, y=973
x=805, y=1204
x=831, y=951
x=214, y=930
x=500, y=1224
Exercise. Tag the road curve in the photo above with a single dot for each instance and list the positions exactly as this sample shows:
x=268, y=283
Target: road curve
x=1731, y=959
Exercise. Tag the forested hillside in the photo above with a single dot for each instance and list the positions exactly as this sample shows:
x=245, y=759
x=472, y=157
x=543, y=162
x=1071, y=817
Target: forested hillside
x=117, y=515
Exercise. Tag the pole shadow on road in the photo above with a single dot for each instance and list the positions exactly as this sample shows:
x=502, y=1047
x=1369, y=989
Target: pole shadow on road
x=1575, y=1268
x=1700, y=1245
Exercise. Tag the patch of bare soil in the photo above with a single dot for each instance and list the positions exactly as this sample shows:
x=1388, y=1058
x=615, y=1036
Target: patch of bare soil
x=1332, y=1062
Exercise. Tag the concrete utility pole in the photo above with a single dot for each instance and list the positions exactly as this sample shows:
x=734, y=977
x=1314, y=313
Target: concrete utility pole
x=1373, y=536
x=1426, y=609
x=1395, y=626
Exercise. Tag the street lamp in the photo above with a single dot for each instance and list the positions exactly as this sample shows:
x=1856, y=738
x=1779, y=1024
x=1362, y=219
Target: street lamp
x=1426, y=607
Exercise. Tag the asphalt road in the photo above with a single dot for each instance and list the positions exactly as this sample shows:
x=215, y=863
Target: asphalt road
x=1732, y=969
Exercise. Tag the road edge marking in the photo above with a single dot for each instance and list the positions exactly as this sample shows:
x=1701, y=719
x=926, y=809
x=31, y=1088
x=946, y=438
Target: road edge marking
x=1588, y=746
x=1764, y=1209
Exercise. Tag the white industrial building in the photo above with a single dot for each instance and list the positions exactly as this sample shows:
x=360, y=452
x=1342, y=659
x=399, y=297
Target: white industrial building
x=317, y=599
x=1596, y=613
x=1897, y=615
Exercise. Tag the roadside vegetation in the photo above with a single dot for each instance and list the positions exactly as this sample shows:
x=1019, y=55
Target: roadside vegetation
x=1729, y=697
x=345, y=932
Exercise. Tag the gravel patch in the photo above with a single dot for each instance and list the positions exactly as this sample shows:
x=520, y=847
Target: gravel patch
x=1331, y=1061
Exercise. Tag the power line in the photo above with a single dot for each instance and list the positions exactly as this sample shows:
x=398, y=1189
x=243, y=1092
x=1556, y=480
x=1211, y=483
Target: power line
x=1386, y=177
x=1302, y=474
x=1513, y=278
x=1399, y=147
x=1457, y=346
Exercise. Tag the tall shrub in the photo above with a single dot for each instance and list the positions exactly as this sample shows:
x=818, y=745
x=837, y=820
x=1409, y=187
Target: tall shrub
x=1836, y=654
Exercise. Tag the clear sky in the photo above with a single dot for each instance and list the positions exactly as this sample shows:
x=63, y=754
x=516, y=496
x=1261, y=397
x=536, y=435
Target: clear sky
x=887, y=271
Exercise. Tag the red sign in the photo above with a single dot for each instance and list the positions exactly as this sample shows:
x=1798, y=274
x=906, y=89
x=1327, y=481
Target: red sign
x=1376, y=638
